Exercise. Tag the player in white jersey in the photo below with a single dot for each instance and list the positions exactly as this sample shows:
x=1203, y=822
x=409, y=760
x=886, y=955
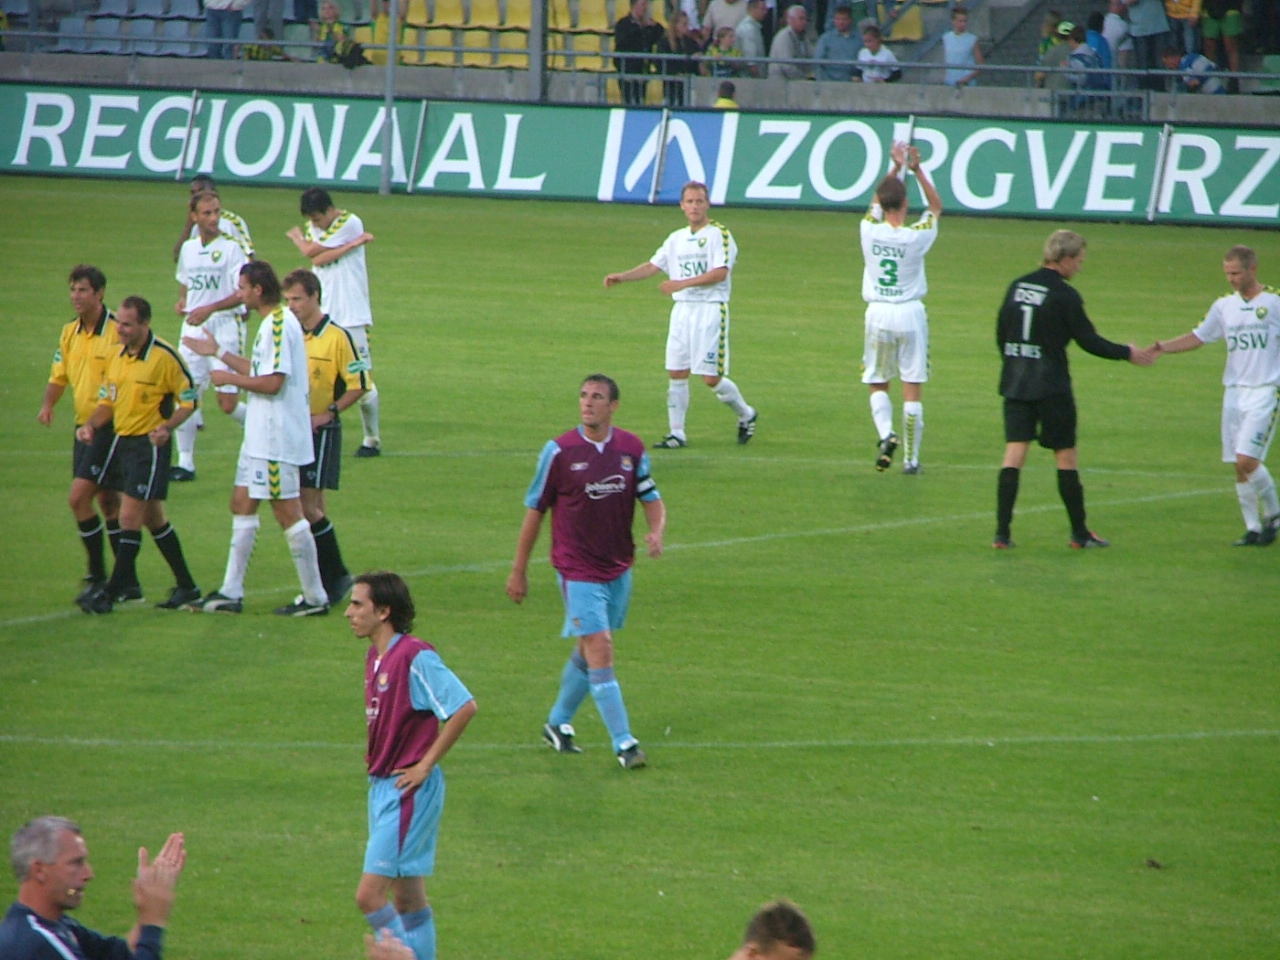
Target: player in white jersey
x=277, y=442
x=1249, y=320
x=230, y=224
x=893, y=284
x=698, y=260
x=333, y=240
x=209, y=274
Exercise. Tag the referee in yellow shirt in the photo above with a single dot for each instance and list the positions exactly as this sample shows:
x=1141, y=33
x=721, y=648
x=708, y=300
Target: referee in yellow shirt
x=147, y=392
x=338, y=379
x=85, y=347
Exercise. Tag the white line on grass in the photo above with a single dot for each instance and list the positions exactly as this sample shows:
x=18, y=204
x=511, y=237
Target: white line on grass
x=486, y=567
x=109, y=743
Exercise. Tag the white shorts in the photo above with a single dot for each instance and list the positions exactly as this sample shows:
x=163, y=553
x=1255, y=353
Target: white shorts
x=268, y=479
x=228, y=330
x=1248, y=421
x=360, y=337
x=896, y=343
x=698, y=338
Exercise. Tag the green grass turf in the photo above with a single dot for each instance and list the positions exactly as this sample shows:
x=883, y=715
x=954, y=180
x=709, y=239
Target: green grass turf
x=848, y=698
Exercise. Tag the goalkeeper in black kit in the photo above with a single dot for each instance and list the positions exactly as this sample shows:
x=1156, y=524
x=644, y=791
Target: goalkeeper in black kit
x=1040, y=316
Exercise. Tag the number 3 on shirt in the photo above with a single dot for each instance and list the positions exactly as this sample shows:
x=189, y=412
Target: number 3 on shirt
x=890, y=268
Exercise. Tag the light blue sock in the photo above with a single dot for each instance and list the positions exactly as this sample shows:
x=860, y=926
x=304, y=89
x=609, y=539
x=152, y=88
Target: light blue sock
x=573, y=688
x=420, y=933
x=386, y=919
x=608, y=697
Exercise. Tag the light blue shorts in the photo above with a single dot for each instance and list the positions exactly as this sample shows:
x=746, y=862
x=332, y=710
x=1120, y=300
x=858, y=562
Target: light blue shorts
x=594, y=607
x=403, y=828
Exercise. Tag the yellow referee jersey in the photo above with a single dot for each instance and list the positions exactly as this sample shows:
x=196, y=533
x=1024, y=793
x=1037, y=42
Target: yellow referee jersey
x=81, y=361
x=142, y=391
x=332, y=365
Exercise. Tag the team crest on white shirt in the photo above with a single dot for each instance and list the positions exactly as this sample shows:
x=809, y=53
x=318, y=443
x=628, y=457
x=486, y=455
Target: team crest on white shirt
x=215, y=255
x=1262, y=313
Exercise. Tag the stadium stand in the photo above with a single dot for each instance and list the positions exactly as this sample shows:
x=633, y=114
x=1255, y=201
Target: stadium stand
x=175, y=39
x=107, y=36
x=477, y=43
x=110, y=8
x=72, y=36
x=151, y=9
x=18, y=12
x=184, y=10
x=142, y=37
x=297, y=41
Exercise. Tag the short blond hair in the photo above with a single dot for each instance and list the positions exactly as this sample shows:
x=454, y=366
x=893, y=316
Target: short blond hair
x=1242, y=255
x=1062, y=244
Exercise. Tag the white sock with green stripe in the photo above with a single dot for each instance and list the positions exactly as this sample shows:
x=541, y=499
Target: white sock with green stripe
x=912, y=429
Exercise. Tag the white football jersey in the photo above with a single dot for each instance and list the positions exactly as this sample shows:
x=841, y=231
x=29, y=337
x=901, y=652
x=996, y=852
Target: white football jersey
x=234, y=227
x=211, y=272
x=894, y=259
x=1252, y=331
x=686, y=254
x=278, y=426
x=344, y=284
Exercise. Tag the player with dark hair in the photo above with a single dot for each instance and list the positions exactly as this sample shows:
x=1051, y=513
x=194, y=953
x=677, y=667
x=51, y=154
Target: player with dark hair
x=1041, y=314
x=333, y=240
x=85, y=347
x=51, y=863
x=147, y=392
x=416, y=709
x=698, y=260
x=230, y=224
x=590, y=479
x=1249, y=320
x=277, y=445
x=778, y=931
x=896, y=329
x=337, y=381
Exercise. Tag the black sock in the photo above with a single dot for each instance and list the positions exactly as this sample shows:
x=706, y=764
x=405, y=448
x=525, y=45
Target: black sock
x=171, y=549
x=1072, y=494
x=91, y=537
x=1006, y=496
x=126, y=571
x=332, y=569
x=113, y=534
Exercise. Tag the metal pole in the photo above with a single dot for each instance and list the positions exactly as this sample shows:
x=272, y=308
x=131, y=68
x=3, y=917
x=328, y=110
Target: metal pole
x=186, y=135
x=660, y=156
x=537, y=49
x=389, y=98
x=417, y=147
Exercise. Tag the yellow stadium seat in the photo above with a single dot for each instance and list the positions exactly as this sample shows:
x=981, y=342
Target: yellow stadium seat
x=415, y=13
x=517, y=14
x=558, y=15
x=476, y=40
x=516, y=44
x=485, y=13
x=440, y=37
x=908, y=28
x=448, y=13
x=592, y=15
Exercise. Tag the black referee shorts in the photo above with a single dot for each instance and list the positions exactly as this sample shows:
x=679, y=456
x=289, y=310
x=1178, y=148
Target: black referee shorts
x=89, y=459
x=1051, y=421
x=138, y=468
x=323, y=472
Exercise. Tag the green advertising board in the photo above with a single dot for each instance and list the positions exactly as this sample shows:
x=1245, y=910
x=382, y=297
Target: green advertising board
x=1003, y=167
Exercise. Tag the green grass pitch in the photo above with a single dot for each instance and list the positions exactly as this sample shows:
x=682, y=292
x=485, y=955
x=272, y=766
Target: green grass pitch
x=847, y=697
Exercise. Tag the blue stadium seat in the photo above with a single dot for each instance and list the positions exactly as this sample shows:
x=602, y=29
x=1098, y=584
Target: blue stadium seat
x=71, y=36
x=184, y=10
x=152, y=9
x=142, y=38
x=111, y=8
x=106, y=36
x=17, y=9
x=175, y=40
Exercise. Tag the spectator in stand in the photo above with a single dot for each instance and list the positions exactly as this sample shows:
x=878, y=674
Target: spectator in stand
x=1094, y=37
x=337, y=44
x=1085, y=76
x=1223, y=20
x=266, y=48
x=1054, y=57
x=722, y=58
x=857, y=10
x=269, y=15
x=724, y=96
x=875, y=60
x=1197, y=71
x=838, y=48
x=635, y=33
x=678, y=41
x=964, y=56
x=748, y=37
x=723, y=13
x=1115, y=28
x=222, y=23
x=1149, y=28
x=1184, y=20
x=1048, y=32
x=693, y=9
x=791, y=43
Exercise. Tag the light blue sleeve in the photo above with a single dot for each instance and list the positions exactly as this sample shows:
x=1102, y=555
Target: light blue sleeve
x=434, y=687
x=539, y=483
x=646, y=489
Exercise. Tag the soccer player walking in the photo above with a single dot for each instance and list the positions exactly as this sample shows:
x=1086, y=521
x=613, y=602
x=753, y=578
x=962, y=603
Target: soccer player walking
x=896, y=337
x=333, y=240
x=590, y=479
x=698, y=260
x=230, y=224
x=277, y=444
x=85, y=347
x=209, y=273
x=1249, y=320
x=147, y=393
x=416, y=709
x=1042, y=313
x=337, y=381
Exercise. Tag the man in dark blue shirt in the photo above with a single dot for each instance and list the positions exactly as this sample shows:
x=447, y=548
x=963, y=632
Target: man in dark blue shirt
x=51, y=863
